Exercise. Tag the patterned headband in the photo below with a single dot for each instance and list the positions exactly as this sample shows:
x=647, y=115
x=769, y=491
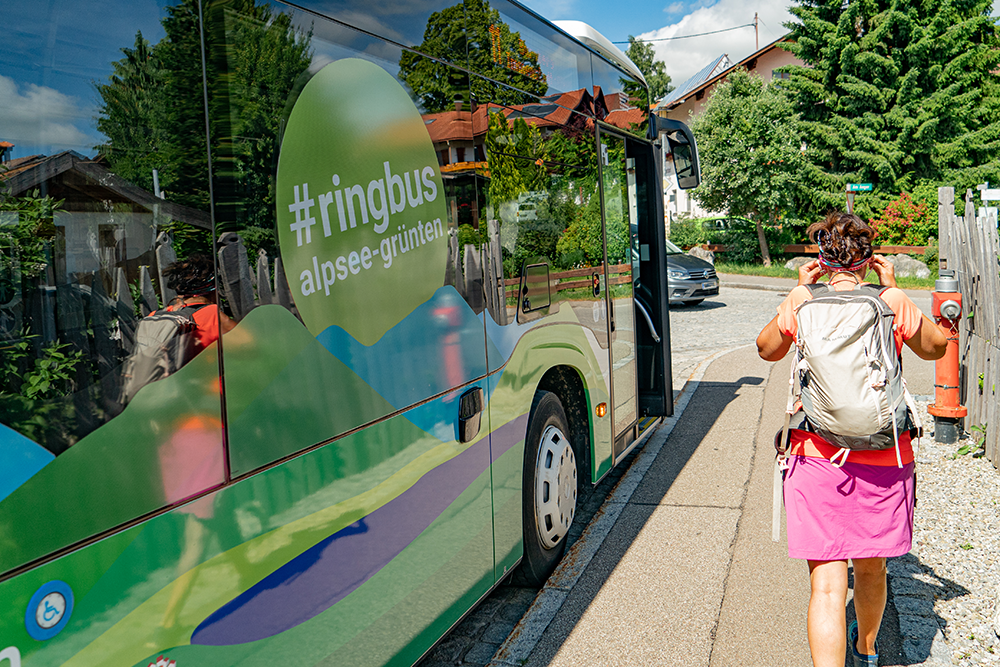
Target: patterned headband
x=834, y=265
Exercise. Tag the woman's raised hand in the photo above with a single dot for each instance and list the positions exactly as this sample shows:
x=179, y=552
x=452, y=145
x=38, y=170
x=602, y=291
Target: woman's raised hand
x=810, y=272
x=884, y=269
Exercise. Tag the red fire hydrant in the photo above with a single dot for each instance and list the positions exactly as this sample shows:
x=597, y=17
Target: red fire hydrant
x=946, y=307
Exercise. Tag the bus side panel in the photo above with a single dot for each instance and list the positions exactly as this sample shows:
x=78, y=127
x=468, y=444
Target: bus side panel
x=565, y=344
x=362, y=552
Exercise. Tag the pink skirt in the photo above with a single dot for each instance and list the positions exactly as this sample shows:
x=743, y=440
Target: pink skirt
x=857, y=511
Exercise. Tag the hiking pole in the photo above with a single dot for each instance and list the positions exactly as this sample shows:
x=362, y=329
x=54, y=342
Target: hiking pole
x=946, y=307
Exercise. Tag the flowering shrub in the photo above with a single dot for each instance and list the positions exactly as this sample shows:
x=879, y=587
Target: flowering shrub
x=905, y=222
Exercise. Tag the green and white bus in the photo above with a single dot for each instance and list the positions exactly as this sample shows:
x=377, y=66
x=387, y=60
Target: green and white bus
x=316, y=319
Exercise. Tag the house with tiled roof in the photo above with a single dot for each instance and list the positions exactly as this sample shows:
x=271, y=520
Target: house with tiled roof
x=689, y=99
x=87, y=184
x=459, y=136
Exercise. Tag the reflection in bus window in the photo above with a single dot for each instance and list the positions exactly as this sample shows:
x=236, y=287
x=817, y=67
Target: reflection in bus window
x=169, y=338
x=542, y=198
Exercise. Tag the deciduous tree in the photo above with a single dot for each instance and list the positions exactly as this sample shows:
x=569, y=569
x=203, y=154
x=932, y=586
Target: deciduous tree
x=642, y=54
x=750, y=151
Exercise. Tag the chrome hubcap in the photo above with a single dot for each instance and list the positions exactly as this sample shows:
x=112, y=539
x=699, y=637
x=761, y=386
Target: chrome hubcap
x=555, y=487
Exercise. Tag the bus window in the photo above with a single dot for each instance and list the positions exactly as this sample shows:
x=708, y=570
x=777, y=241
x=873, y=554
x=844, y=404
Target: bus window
x=542, y=200
x=616, y=93
x=357, y=242
x=98, y=426
x=435, y=25
x=537, y=59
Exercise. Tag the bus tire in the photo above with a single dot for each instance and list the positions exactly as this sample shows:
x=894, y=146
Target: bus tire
x=549, y=490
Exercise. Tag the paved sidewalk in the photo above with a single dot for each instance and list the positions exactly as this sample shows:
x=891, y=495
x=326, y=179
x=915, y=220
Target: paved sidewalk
x=688, y=574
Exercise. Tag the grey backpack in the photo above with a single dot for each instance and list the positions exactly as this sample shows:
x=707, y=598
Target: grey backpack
x=164, y=342
x=848, y=369
x=849, y=375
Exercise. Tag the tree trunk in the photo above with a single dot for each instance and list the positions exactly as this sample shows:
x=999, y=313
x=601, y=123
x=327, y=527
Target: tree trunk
x=764, y=253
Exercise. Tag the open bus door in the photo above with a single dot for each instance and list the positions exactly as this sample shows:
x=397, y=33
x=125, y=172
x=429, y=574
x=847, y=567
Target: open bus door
x=655, y=380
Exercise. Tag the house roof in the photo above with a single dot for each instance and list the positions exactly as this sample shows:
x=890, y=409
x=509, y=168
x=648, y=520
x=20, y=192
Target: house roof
x=714, y=75
x=552, y=111
x=93, y=180
x=720, y=64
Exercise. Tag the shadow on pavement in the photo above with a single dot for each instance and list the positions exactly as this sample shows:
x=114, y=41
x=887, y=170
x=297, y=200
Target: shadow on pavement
x=704, y=305
x=913, y=588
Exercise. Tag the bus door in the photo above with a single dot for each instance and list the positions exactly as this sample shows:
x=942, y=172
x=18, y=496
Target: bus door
x=618, y=192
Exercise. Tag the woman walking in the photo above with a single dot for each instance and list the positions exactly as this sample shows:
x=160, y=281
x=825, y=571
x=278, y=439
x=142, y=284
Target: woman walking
x=858, y=508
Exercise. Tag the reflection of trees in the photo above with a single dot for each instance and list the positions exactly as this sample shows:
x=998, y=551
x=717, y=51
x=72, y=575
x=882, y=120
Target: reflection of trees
x=33, y=376
x=493, y=50
x=556, y=173
x=153, y=109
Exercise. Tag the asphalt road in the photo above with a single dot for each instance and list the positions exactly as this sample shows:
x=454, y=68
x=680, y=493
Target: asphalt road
x=730, y=320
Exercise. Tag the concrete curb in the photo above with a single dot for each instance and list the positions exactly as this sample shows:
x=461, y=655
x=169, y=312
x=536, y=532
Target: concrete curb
x=766, y=288
x=528, y=632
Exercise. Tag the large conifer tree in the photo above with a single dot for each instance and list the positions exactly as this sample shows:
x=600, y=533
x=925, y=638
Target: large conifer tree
x=897, y=93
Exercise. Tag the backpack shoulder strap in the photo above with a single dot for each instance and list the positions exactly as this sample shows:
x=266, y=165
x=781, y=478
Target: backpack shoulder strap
x=817, y=289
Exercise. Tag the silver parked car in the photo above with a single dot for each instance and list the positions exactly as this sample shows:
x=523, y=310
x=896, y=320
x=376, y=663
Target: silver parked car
x=690, y=280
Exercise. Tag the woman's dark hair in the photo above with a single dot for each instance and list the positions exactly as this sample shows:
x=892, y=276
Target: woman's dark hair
x=193, y=276
x=844, y=239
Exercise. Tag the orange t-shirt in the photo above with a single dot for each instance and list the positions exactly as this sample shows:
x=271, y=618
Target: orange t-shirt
x=904, y=326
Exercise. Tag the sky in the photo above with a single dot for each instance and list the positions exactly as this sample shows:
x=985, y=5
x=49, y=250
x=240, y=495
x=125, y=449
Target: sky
x=656, y=19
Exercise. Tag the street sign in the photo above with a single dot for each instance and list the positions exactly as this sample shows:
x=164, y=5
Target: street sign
x=991, y=194
x=859, y=187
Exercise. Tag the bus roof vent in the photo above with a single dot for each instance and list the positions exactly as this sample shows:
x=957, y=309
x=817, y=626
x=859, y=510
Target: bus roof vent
x=598, y=42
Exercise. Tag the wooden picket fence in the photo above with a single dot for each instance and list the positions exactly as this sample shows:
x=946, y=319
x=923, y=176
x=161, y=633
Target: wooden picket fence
x=969, y=246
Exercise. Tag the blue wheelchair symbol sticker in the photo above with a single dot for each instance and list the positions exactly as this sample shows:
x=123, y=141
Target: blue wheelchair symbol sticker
x=49, y=610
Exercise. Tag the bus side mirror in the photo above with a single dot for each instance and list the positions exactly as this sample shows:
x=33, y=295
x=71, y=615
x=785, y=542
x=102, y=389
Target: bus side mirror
x=683, y=149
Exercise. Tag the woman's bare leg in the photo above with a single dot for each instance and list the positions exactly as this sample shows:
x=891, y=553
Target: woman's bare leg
x=869, y=600
x=827, y=620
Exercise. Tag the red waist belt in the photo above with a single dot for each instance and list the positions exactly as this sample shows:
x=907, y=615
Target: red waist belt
x=804, y=443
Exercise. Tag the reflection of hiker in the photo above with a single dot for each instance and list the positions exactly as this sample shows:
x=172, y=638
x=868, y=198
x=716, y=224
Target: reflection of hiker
x=191, y=462
x=165, y=340
x=853, y=499
x=194, y=281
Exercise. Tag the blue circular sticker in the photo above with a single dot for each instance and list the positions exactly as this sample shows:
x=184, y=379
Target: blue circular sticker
x=49, y=610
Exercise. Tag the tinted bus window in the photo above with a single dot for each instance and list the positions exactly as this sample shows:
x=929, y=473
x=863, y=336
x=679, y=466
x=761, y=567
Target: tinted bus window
x=346, y=195
x=544, y=208
x=433, y=27
x=615, y=91
x=104, y=226
x=540, y=60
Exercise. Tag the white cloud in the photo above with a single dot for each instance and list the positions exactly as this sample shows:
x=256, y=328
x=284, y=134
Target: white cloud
x=39, y=116
x=685, y=57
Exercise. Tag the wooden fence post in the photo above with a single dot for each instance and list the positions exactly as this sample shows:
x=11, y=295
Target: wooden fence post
x=165, y=256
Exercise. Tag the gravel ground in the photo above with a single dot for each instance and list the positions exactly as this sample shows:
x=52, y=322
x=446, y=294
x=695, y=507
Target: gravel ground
x=955, y=557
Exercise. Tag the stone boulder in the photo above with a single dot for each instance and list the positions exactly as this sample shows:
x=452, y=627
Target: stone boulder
x=907, y=267
x=796, y=262
x=701, y=253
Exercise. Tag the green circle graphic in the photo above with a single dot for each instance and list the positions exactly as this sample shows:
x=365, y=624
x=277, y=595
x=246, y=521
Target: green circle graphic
x=362, y=222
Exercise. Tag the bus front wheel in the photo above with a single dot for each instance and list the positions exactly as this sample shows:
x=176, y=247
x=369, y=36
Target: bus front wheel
x=549, y=490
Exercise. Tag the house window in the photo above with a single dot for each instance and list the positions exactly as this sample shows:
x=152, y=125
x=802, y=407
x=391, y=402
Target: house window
x=783, y=76
x=460, y=154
